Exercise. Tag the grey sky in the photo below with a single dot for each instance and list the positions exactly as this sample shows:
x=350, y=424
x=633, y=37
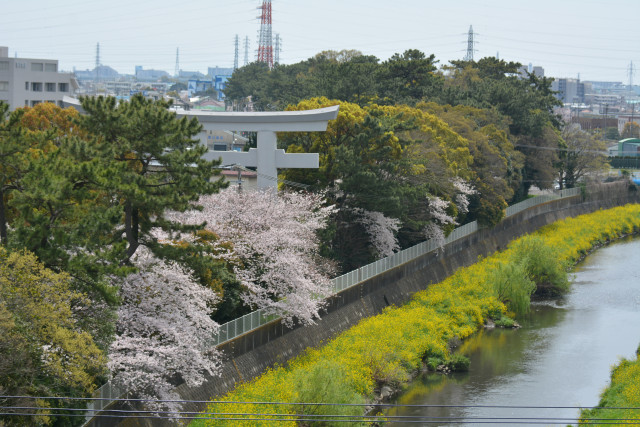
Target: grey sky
x=597, y=39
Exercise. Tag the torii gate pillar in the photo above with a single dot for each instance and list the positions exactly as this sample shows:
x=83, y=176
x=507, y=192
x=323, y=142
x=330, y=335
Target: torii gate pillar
x=267, y=158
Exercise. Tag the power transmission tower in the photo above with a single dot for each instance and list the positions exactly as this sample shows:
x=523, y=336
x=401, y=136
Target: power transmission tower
x=278, y=46
x=98, y=62
x=235, y=53
x=246, y=50
x=631, y=72
x=470, y=45
x=177, y=70
x=265, y=43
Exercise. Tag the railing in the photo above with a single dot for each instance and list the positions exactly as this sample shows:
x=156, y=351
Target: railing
x=255, y=319
x=529, y=203
x=104, y=396
x=248, y=322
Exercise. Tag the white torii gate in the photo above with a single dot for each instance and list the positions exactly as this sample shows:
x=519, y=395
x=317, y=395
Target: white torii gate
x=267, y=158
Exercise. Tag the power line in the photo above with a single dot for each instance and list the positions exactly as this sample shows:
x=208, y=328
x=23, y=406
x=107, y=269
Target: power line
x=300, y=417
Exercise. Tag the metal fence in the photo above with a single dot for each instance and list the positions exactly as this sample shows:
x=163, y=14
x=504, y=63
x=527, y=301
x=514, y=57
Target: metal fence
x=104, y=396
x=529, y=203
x=255, y=319
x=246, y=323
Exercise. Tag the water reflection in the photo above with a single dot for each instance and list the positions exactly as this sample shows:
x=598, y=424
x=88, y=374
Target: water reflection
x=561, y=357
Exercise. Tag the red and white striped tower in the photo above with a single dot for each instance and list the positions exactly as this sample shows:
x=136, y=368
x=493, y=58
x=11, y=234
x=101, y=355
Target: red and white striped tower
x=265, y=45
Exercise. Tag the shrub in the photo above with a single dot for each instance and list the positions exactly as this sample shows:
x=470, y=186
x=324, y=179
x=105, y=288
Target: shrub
x=434, y=362
x=542, y=264
x=505, y=322
x=321, y=384
x=512, y=286
x=458, y=363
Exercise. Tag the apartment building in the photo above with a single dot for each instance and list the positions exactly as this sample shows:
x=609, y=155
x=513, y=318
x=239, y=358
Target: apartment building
x=27, y=82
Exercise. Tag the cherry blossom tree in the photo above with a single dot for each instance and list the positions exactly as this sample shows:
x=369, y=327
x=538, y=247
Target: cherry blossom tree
x=464, y=190
x=438, y=210
x=381, y=230
x=275, y=240
x=441, y=219
x=164, y=331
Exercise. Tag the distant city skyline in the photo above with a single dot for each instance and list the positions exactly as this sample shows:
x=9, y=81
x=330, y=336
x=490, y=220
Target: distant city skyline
x=591, y=38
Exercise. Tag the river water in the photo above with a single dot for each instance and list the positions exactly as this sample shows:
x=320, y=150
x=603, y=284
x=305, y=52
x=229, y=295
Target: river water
x=559, y=360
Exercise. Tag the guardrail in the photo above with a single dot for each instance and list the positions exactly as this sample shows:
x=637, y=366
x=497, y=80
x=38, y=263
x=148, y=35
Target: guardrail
x=255, y=319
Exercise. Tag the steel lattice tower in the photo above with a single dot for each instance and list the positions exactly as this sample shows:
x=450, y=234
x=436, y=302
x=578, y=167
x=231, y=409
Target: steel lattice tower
x=277, y=48
x=235, y=53
x=98, y=62
x=265, y=44
x=177, y=70
x=246, y=50
x=470, y=45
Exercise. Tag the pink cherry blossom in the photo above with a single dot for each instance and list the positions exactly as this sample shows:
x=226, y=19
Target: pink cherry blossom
x=274, y=236
x=164, y=331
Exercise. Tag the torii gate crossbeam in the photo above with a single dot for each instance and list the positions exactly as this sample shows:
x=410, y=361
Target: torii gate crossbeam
x=267, y=158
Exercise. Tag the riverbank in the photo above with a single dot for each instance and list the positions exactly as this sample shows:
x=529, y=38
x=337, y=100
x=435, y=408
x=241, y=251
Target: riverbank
x=619, y=399
x=388, y=348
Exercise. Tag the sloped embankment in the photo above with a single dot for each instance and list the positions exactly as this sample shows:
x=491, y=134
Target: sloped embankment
x=388, y=348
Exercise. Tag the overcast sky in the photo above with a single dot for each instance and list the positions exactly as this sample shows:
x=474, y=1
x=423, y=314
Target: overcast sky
x=597, y=39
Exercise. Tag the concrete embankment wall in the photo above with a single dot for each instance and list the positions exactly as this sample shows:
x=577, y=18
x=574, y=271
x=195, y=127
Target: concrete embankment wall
x=248, y=355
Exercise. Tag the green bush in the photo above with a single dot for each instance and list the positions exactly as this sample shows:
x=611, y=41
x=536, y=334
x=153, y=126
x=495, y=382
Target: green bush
x=434, y=362
x=512, y=286
x=505, y=322
x=542, y=264
x=458, y=363
x=323, y=384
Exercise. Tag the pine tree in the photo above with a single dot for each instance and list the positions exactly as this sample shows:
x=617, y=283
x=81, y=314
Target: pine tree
x=147, y=162
x=12, y=164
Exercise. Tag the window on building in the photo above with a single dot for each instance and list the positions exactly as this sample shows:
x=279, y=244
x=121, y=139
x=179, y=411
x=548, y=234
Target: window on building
x=60, y=104
x=50, y=87
x=52, y=68
x=63, y=87
x=34, y=103
x=37, y=66
x=26, y=85
x=36, y=86
x=4, y=65
x=4, y=86
x=220, y=147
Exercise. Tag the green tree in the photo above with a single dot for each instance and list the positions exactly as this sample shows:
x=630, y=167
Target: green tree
x=630, y=130
x=148, y=162
x=582, y=154
x=496, y=163
x=43, y=349
x=12, y=162
x=409, y=77
x=528, y=102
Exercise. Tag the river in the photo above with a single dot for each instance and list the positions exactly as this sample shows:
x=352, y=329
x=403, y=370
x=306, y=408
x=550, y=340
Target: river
x=559, y=360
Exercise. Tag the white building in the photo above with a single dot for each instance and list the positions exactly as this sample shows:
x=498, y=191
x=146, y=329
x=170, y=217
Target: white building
x=27, y=82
